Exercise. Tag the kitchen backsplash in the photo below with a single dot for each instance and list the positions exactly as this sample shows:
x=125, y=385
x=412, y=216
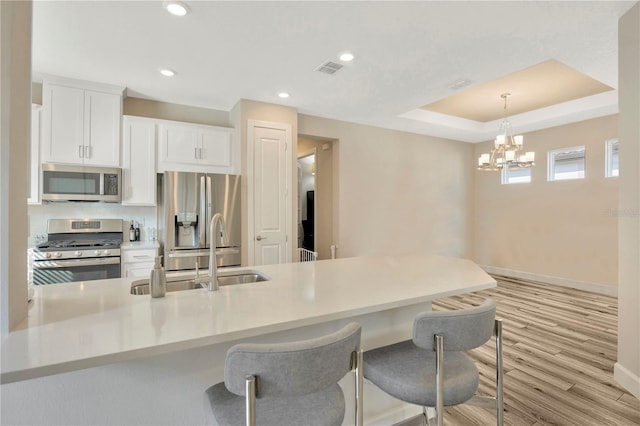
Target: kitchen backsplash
x=39, y=214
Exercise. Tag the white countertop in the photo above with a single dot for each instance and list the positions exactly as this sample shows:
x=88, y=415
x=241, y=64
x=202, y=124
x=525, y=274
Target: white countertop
x=86, y=324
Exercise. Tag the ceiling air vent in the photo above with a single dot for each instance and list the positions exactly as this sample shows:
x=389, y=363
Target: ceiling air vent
x=459, y=84
x=329, y=67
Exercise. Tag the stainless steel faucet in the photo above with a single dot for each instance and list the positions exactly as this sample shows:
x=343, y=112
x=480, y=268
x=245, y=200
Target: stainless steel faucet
x=212, y=280
x=216, y=220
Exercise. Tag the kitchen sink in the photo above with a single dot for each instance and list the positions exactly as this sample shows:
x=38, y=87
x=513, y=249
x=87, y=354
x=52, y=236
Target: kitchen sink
x=141, y=287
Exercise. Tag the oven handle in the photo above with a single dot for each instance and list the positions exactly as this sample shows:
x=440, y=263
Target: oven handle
x=52, y=264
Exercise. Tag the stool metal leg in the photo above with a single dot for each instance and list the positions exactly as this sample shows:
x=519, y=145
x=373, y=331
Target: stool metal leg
x=250, y=400
x=439, y=379
x=357, y=364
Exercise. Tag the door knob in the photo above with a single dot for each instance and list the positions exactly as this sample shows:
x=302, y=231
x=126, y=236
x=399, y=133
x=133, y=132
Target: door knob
x=260, y=238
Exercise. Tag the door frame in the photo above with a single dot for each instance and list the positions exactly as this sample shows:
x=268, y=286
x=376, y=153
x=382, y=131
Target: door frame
x=289, y=196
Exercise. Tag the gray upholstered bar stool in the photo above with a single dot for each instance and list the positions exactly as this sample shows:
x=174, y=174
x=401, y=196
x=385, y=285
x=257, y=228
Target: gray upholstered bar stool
x=288, y=383
x=432, y=370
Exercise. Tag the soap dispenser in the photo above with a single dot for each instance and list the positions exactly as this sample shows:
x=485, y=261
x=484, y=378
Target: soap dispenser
x=157, y=279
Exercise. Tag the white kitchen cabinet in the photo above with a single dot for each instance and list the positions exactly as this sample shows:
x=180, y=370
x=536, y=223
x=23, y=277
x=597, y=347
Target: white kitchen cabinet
x=137, y=259
x=81, y=122
x=195, y=148
x=34, y=156
x=139, y=161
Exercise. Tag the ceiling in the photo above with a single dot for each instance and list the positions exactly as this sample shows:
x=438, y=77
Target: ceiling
x=407, y=55
x=542, y=85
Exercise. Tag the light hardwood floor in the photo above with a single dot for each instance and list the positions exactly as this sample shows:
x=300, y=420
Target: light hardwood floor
x=559, y=350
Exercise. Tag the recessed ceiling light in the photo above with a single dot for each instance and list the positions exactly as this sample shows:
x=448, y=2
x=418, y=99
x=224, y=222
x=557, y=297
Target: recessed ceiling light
x=176, y=8
x=283, y=95
x=346, y=57
x=167, y=72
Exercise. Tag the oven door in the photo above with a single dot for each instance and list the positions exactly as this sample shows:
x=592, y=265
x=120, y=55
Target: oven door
x=66, y=271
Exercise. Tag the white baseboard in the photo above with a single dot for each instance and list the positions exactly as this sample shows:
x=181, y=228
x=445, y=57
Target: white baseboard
x=604, y=289
x=405, y=412
x=627, y=379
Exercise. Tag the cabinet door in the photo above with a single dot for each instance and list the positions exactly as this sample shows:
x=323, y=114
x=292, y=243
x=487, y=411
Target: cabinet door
x=63, y=125
x=131, y=270
x=216, y=147
x=102, y=113
x=180, y=144
x=139, y=162
x=34, y=157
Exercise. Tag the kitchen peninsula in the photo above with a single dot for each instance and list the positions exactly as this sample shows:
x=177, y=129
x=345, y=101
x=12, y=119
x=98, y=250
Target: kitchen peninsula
x=121, y=354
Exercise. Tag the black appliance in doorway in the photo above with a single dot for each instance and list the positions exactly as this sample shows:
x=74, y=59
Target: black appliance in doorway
x=308, y=225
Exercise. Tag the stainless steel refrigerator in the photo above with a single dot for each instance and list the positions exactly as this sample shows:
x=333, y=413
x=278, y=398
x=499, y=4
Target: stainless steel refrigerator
x=188, y=201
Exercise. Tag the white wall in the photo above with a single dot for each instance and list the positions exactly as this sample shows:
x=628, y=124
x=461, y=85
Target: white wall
x=399, y=192
x=627, y=369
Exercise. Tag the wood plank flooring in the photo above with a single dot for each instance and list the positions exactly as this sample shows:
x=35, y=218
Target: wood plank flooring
x=559, y=350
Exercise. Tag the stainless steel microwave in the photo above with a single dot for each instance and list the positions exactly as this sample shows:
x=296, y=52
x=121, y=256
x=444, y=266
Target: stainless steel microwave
x=81, y=183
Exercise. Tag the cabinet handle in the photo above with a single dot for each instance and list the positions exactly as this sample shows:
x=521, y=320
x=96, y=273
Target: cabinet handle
x=87, y=152
x=80, y=151
x=142, y=257
x=195, y=153
x=200, y=153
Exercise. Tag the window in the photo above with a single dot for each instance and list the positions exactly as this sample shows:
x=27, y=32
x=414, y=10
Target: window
x=566, y=163
x=516, y=175
x=611, y=158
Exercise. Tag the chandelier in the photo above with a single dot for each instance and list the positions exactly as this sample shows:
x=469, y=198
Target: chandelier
x=508, y=150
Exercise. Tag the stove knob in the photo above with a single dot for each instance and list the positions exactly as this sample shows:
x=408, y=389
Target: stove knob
x=78, y=253
x=107, y=252
x=97, y=252
x=47, y=255
x=58, y=254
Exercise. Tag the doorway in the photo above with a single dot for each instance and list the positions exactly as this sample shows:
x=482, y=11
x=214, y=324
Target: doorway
x=306, y=200
x=316, y=195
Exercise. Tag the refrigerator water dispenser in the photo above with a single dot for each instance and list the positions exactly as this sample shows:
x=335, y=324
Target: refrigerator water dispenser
x=186, y=230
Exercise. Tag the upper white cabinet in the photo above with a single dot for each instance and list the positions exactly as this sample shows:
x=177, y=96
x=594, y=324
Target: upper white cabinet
x=81, y=122
x=196, y=148
x=139, y=161
x=34, y=156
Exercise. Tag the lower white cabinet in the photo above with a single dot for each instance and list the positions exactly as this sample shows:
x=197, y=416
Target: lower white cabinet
x=137, y=262
x=139, y=161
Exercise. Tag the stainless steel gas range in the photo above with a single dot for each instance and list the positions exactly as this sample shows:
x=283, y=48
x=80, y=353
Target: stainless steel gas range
x=78, y=250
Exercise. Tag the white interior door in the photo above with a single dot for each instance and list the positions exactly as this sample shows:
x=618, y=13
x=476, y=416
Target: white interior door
x=271, y=194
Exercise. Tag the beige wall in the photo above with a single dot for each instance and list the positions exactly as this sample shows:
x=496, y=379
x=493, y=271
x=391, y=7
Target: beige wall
x=324, y=196
x=399, y=192
x=15, y=128
x=168, y=111
x=627, y=369
x=561, y=229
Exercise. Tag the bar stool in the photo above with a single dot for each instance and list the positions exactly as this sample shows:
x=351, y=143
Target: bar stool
x=288, y=383
x=432, y=370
